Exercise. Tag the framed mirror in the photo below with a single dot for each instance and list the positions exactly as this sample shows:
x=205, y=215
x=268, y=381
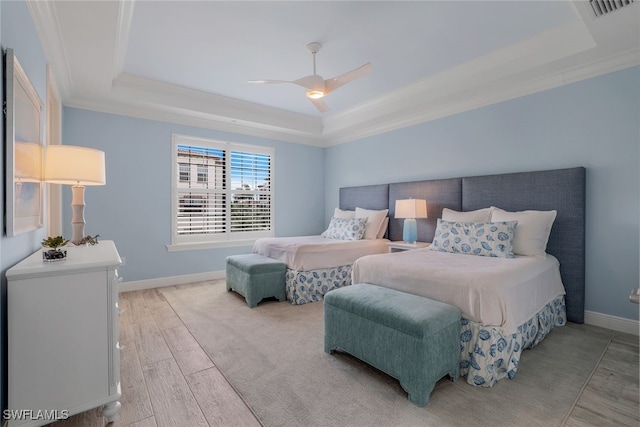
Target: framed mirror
x=23, y=150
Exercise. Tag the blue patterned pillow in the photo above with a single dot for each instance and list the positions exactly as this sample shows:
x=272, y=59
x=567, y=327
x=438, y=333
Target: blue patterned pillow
x=345, y=229
x=493, y=239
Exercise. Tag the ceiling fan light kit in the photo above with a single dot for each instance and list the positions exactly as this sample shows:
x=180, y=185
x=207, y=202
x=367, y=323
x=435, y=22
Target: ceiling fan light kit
x=315, y=94
x=316, y=86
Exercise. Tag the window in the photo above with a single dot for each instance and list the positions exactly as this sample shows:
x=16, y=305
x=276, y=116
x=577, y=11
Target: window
x=184, y=172
x=222, y=191
x=203, y=174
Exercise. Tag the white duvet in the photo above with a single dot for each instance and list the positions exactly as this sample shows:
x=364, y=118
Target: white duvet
x=304, y=253
x=503, y=292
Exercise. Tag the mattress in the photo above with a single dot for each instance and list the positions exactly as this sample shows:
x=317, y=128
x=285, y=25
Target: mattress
x=501, y=292
x=304, y=253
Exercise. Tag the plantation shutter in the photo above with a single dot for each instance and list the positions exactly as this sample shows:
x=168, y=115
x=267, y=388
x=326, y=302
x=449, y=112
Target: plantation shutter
x=223, y=191
x=201, y=203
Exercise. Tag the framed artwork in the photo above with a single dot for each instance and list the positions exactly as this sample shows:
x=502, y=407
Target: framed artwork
x=23, y=150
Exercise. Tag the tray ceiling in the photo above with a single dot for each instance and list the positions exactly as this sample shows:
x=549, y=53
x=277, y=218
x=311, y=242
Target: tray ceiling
x=188, y=62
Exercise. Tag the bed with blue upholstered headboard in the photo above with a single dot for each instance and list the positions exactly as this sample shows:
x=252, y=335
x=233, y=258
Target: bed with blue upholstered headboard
x=321, y=263
x=562, y=190
x=489, y=352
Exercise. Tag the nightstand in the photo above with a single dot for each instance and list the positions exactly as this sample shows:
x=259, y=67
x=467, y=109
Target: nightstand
x=405, y=246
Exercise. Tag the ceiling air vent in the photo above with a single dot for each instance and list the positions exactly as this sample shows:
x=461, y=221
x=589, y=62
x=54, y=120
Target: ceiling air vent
x=603, y=7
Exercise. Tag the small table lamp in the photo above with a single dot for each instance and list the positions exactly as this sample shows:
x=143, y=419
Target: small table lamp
x=76, y=166
x=410, y=209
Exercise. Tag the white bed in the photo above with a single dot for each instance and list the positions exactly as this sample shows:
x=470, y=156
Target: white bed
x=507, y=304
x=316, y=265
x=503, y=292
x=491, y=341
x=304, y=253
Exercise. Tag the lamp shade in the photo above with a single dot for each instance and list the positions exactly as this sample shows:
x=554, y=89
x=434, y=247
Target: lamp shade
x=68, y=164
x=411, y=208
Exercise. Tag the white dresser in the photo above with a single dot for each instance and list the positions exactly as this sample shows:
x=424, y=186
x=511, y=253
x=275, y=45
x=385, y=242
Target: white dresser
x=62, y=320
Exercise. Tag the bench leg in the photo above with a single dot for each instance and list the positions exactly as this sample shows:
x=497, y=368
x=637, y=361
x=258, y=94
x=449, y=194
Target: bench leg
x=328, y=348
x=251, y=302
x=418, y=395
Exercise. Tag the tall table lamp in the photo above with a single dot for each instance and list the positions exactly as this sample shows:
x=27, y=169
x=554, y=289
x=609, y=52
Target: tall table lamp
x=76, y=166
x=410, y=209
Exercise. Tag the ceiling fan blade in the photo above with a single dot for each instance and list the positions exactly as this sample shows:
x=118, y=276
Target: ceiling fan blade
x=268, y=82
x=309, y=82
x=334, y=83
x=312, y=82
x=320, y=105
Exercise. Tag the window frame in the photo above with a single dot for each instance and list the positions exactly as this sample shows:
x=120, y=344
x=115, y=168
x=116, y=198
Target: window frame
x=228, y=237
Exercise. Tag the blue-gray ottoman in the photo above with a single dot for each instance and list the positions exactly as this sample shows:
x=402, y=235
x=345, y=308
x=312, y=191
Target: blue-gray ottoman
x=256, y=277
x=411, y=338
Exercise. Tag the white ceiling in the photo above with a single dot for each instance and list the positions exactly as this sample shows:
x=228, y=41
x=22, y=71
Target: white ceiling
x=188, y=62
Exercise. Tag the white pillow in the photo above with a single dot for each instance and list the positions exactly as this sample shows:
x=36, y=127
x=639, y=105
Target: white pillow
x=383, y=228
x=339, y=213
x=480, y=215
x=532, y=232
x=374, y=221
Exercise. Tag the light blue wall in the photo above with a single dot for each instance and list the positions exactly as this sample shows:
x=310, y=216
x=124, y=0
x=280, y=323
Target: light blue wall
x=17, y=32
x=134, y=208
x=594, y=123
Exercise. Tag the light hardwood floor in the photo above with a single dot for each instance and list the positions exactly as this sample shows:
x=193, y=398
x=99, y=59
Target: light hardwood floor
x=611, y=396
x=168, y=380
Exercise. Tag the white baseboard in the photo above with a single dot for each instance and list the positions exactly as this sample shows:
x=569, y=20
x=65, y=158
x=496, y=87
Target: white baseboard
x=170, y=281
x=615, y=323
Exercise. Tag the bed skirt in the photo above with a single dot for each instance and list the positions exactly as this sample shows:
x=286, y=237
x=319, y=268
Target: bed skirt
x=309, y=286
x=487, y=355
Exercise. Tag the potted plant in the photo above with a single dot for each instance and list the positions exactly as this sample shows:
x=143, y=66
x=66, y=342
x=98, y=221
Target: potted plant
x=53, y=248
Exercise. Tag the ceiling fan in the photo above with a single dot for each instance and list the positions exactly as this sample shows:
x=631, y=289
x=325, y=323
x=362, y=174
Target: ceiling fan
x=316, y=86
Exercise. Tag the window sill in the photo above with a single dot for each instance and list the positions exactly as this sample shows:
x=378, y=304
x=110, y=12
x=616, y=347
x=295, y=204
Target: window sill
x=178, y=247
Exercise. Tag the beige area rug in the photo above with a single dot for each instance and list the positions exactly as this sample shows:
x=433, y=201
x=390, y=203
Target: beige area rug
x=273, y=355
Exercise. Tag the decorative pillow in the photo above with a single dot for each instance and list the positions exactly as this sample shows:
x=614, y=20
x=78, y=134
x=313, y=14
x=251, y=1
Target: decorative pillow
x=339, y=213
x=345, y=229
x=533, y=230
x=383, y=228
x=374, y=221
x=493, y=239
x=480, y=215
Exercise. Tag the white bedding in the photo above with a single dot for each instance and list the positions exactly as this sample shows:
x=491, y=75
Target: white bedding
x=490, y=291
x=304, y=253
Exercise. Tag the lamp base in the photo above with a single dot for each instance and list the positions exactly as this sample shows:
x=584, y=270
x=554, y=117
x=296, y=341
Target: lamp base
x=410, y=230
x=77, y=207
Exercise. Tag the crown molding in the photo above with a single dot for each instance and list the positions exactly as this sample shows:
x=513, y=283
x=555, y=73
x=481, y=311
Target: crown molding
x=162, y=96
x=613, y=63
x=414, y=114
x=168, y=114
x=48, y=29
x=437, y=95
x=123, y=29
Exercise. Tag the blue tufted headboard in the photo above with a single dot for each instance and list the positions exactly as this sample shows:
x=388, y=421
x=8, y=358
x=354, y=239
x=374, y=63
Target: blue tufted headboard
x=560, y=189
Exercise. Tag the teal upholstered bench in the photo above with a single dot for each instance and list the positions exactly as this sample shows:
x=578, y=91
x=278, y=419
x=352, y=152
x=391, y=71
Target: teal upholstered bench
x=413, y=339
x=256, y=277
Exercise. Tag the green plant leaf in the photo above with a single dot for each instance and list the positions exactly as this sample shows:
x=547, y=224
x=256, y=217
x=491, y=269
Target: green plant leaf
x=54, y=242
